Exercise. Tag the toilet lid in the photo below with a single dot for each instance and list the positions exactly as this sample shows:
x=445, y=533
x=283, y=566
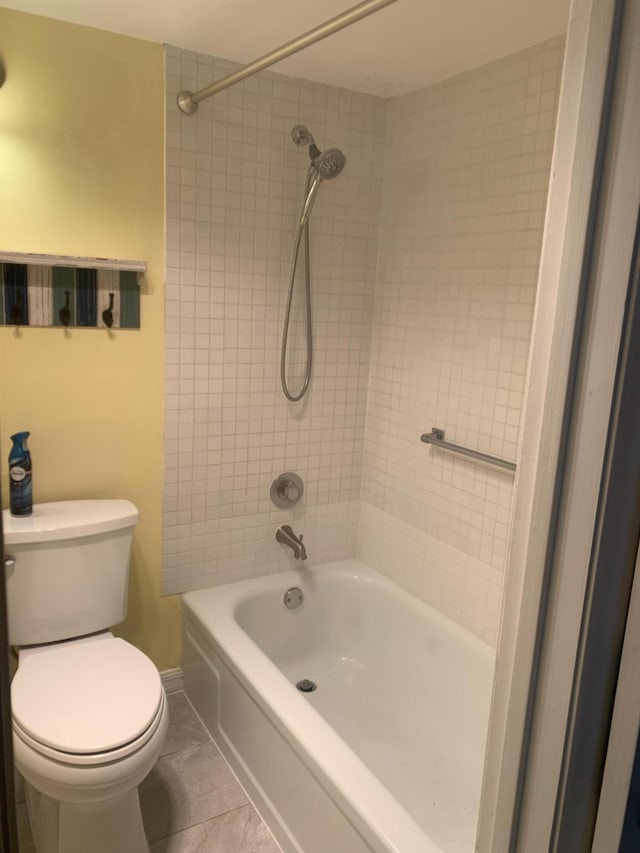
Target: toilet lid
x=86, y=697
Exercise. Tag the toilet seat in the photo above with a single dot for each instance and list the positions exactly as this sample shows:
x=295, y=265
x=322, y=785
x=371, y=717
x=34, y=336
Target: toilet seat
x=87, y=701
x=92, y=759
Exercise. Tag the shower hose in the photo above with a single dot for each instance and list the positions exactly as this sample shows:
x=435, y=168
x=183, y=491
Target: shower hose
x=303, y=230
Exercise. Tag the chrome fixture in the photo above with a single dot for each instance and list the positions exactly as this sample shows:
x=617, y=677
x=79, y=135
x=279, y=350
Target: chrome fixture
x=293, y=598
x=436, y=437
x=324, y=166
x=286, y=490
x=188, y=101
x=286, y=536
x=327, y=164
x=301, y=135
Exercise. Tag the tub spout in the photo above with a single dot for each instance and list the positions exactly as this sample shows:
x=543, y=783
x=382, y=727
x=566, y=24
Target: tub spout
x=286, y=536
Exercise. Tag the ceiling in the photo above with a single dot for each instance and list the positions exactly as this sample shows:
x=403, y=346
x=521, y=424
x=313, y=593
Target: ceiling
x=402, y=47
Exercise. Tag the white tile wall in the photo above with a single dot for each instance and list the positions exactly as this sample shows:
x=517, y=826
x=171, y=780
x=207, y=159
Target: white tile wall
x=466, y=170
x=232, y=548
x=465, y=589
x=444, y=190
x=235, y=185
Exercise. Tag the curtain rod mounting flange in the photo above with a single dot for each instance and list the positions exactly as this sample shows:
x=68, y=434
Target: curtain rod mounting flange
x=186, y=103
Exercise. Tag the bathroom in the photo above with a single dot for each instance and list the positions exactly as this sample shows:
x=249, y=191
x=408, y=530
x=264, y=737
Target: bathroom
x=425, y=257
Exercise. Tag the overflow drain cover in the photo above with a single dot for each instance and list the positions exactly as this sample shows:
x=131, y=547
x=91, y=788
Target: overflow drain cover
x=306, y=686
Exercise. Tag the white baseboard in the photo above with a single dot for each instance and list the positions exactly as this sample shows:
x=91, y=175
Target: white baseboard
x=172, y=680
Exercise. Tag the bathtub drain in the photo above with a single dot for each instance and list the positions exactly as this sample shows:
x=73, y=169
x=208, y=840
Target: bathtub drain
x=306, y=686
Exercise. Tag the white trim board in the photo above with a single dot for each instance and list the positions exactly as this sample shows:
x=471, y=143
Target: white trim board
x=563, y=250
x=172, y=680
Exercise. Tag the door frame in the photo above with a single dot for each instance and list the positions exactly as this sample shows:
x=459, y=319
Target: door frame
x=587, y=256
x=8, y=822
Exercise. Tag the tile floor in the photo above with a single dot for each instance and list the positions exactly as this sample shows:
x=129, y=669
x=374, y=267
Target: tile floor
x=191, y=801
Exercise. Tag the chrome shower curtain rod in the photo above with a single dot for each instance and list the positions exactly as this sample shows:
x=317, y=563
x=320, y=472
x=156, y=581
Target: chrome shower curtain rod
x=188, y=101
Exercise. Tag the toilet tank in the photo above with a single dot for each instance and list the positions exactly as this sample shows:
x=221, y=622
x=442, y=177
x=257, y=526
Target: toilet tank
x=71, y=569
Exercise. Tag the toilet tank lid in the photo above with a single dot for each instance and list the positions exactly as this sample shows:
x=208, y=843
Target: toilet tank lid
x=50, y=522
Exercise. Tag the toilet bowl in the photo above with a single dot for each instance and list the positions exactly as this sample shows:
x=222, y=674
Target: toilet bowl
x=89, y=710
x=89, y=721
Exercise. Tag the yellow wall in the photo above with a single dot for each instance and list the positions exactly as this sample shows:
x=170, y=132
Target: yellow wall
x=82, y=173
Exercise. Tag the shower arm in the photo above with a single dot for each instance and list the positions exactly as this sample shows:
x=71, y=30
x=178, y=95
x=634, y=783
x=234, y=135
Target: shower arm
x=188, y=101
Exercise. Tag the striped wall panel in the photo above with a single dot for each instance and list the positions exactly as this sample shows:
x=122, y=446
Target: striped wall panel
x=35, y=295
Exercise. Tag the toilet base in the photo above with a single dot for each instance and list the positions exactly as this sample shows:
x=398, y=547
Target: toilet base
x=105, y=827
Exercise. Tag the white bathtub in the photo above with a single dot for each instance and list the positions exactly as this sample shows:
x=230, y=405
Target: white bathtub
x=387, y=753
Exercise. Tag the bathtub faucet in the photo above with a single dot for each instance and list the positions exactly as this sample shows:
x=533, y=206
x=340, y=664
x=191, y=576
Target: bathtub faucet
x=286, y=536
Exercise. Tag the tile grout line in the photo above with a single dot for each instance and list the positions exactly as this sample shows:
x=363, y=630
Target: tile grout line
x=206, y=820
x=249, y=800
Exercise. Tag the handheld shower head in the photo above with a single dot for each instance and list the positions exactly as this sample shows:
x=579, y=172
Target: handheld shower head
x=324, y=166
x=328, y=164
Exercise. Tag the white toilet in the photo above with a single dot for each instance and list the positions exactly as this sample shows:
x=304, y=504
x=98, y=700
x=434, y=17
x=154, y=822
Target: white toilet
x=89, y=710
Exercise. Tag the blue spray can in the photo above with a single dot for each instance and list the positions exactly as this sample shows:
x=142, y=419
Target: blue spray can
x=20, y=486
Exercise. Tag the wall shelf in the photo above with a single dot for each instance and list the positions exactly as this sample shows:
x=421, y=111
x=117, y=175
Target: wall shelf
x=72, y=261
x=68, y=291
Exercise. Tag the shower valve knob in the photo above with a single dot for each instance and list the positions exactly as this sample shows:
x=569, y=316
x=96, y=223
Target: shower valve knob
x=289, y=492
x=286, y=490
